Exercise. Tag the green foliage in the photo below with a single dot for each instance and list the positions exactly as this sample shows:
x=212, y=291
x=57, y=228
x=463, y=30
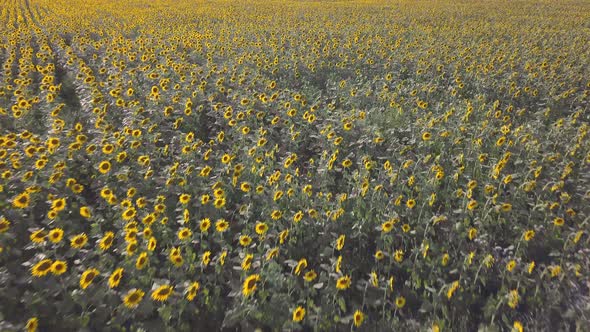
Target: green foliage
x=228, y=165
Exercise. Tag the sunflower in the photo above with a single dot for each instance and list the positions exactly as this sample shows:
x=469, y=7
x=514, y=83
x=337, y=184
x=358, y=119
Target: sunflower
x=452, y=289
x=529, y=235
x=578, y=236
x=247, y=262
x=343, y=283
x=302, y=264
x=310, y=276
x=558, y=221
x=249, y=285
x=149, y=219
x=374, y=279
x=147, y=232
x=245, y=240
x=58, y=204
x=274, y=252
x=276, y=214
x=219, y=203
x=411, y=203
x=298, y=216
x=298, y=314
x=121, y=156
x=517, y=327
x=152, y=242
x=38, y=236
x=115, y=278
x=513, y=298
x=206, y=258
x=205, y=199
x=106, y=193
x=32, y=324
x=221, y=225
x=191, y=290
x=506, y=207
x=340, y=242
x=21, y=201
x=104, y=167
x=162, y=293
x=51, y=214
x=87, y=277
x=283, y=236
x=59, y=267
x=141, y=261
x=400, y=302
x=184, y=199
x=79, y=241
x=359, y=317
x=426, y=136
x=85, y=212
x=42, y=268
x=472, y=233
x=131, y=234
x=261, y=228
x=391, y=282
x=106, y=241
x=222, y=257
x=398, y=255
x=379, y=255
x=129, y=213
x=132, y=298
x=245, y=187
x=338, y=264
x=184, y=233
x=4, y=225
x=77, y=188
x=472, y=205
x=406, y=228
x=387, y=226
x=177, y=260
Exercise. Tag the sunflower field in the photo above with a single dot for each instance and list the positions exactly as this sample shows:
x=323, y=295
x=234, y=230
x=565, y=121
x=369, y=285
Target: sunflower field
x=189, y=165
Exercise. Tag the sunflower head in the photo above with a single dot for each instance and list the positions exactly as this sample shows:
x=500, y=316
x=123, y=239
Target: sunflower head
x=250, y=284
x=133, y=298
x=298, y=314
x=162, y=293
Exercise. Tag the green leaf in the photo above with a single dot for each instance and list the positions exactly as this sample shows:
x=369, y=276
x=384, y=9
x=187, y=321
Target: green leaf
x=342, y=304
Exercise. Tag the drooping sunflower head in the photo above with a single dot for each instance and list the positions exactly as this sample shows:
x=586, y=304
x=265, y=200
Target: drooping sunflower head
x=32, y=324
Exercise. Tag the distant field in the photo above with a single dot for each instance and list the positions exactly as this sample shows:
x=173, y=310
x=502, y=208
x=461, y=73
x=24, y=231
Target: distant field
x=294, y=165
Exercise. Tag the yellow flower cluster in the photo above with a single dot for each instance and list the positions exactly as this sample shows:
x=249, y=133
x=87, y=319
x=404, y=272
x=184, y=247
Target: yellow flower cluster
x=293, y=164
